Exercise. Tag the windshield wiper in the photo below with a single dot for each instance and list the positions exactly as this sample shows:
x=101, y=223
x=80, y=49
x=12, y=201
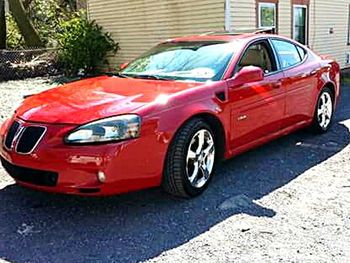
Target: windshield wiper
x=117, y=74
x=155, y=77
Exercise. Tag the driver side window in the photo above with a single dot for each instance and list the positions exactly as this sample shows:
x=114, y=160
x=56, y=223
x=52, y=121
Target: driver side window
x=259, y=55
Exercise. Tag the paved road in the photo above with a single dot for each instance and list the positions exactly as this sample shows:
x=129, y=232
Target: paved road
x=286, y=201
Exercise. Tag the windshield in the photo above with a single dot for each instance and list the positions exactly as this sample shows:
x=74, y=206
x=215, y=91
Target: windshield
x=192, y=61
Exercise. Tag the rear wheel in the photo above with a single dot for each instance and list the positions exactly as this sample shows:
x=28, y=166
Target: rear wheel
x=190, y=160
x=324, y=111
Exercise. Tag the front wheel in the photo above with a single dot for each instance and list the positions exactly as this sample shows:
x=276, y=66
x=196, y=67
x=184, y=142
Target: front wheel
x=190, y=160
x=324, y=111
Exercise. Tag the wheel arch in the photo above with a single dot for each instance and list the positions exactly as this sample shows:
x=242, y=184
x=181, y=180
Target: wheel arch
x=332, y=87
x=217, y=127
x=328, y=84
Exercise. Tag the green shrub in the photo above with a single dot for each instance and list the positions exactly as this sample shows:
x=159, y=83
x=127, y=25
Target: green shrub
x=83, y=46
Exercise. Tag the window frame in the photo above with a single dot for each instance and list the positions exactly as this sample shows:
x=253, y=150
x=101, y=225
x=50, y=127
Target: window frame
x=270, y=48
x=268, y=3
x=306, y=7
x=348, y=40
x=279, y=57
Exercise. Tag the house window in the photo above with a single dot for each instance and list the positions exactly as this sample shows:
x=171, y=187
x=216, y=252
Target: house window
x=267, y=13
x=349, y=27
x=300, y=23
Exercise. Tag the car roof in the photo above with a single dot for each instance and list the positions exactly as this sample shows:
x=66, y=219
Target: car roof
x=212, y=37
x=226, y=37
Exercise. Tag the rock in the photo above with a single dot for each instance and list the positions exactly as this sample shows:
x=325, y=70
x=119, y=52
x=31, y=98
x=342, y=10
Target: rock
x=236, y=202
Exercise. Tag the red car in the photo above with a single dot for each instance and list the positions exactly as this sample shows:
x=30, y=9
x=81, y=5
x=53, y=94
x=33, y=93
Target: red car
x=169, y=116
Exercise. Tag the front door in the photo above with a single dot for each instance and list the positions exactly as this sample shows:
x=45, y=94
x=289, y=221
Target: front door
x=257, y=109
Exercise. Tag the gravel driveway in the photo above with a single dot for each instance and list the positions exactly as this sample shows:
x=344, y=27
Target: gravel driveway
x=288, y=201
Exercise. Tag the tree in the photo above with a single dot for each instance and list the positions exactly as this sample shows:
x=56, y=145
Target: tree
x=26, y=3
x=29, y=33
x=2, y=25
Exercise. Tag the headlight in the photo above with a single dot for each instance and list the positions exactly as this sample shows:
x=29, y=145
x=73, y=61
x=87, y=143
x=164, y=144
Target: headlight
x=106, y=130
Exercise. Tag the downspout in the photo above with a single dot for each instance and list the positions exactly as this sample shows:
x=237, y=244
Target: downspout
x=227, y=15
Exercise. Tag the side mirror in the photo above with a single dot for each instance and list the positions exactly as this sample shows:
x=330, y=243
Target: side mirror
x=124, y=65
x=247, y=74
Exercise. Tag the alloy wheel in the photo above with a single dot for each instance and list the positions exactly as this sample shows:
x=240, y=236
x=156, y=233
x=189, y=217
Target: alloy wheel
x=325, y=110
x=200, y=158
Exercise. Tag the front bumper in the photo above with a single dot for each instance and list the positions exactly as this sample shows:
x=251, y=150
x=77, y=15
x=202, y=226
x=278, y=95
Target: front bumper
x=128, y=165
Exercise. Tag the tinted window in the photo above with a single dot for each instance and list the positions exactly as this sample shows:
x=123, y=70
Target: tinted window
x=287, y=52
x=258, y=55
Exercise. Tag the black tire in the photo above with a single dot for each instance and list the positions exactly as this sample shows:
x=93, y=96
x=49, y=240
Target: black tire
x=316, y=126
x=175, y=179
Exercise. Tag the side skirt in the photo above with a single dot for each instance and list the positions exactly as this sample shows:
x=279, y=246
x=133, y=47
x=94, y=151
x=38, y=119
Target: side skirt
x=266, y=139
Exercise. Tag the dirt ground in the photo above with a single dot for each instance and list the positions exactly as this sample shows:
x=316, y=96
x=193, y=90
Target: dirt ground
x=288, y=201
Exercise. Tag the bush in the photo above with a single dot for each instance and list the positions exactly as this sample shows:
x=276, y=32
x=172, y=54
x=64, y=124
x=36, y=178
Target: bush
x=83, y=46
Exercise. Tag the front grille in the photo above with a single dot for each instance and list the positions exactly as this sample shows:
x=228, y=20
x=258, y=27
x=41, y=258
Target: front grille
x=11, y=133
x=29, y=139
x=32, y=176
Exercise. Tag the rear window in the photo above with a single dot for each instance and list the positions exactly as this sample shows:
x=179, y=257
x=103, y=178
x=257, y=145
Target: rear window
x=288, y=53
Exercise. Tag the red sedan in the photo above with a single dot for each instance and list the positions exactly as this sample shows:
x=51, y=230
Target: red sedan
x=169, y=116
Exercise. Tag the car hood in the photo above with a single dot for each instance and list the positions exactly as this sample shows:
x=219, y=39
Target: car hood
x=87, y=100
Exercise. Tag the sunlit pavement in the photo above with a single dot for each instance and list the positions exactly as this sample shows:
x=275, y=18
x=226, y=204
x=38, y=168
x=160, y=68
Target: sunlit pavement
x=287, y=201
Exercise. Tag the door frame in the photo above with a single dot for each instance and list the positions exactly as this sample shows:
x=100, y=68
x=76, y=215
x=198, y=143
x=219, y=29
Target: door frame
x=306, y=7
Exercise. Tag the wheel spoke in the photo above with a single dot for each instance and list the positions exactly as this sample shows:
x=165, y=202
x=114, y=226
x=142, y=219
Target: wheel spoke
x=191, y=155
x=194, y=175
x=326, y=122
x=209, y=149
x=200, y=142
x=205, y=171
x=321, y=119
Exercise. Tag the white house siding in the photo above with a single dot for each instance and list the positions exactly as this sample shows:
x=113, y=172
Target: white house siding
x=139, y=24
x=285, y=18
x=325, y=15
x=243, y=13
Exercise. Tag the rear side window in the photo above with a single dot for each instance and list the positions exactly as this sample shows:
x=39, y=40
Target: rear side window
x=288, y=53
x=302, y=52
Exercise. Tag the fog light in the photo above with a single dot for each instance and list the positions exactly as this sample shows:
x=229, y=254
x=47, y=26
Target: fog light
x=101, y=176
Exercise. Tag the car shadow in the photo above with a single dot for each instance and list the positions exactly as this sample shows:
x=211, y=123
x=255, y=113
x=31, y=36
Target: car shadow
x=39, y=227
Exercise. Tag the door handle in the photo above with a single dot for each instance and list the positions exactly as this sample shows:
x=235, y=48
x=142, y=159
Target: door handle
x=277, y=85
x=314, y=72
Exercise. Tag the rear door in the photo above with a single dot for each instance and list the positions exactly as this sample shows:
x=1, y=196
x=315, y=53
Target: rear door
x=300, y=81
x=257, y=108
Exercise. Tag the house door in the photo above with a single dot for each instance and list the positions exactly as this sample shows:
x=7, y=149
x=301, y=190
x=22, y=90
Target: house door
x=300, y=24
